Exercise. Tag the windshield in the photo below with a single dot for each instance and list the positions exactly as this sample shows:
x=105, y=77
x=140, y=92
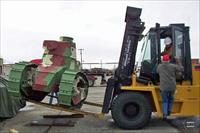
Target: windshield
x=140, y=52
x=148, y=53
x=147, y=50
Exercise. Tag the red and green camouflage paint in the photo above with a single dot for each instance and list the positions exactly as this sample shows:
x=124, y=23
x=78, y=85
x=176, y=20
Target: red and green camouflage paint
x=57, y=71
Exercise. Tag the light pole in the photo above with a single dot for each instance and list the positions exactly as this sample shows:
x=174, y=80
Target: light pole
x=81, y=53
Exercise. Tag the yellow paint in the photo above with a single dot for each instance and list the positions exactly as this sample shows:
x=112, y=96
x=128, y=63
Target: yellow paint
x=187, y=96
x=100, y=116
x=195, y=75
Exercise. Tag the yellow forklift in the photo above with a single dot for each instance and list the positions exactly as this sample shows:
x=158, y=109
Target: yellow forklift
x=133, y=93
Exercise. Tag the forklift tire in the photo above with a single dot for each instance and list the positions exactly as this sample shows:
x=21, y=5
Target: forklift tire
x=131, y=110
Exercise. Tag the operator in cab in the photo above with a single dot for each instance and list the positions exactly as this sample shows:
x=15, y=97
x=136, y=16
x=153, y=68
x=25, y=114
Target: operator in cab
x=167, y=72
x=168, y=47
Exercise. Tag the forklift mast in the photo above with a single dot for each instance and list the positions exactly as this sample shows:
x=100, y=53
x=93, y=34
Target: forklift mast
x=122, y=76
x=133, y=33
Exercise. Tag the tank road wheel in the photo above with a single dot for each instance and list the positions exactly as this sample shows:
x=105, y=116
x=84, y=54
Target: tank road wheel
x=131, y=110
x=80, y=90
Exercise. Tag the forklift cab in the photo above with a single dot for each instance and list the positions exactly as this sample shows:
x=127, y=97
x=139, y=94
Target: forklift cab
x=154, y=45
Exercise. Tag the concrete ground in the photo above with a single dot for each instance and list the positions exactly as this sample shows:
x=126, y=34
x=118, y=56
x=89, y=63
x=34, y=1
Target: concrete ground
x=88, y=124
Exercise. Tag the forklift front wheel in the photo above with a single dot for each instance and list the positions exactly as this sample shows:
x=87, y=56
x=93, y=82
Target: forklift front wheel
x=131, y=110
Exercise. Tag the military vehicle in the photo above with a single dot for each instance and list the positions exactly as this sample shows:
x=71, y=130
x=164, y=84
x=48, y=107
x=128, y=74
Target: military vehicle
x=58, y=72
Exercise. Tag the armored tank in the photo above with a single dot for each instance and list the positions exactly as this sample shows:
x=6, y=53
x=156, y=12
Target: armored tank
x=57, y=72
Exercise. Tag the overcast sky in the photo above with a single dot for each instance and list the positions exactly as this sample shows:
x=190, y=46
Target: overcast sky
x=97, y=27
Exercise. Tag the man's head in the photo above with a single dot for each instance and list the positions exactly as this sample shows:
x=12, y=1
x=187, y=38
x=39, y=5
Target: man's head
x=168, y=41
x=166, y=58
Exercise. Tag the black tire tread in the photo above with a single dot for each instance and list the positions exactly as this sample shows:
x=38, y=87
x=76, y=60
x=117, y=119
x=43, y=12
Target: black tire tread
x=121, y=121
